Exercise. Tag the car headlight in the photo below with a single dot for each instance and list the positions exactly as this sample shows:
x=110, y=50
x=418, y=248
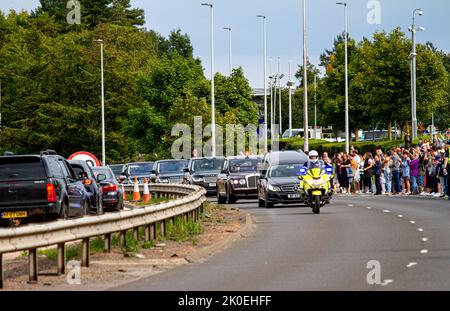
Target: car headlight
x=273, y=188
x=197, y=179
x=242, y=182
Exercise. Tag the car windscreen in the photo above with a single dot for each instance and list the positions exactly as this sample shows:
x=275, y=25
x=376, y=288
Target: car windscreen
x=203, y=165
x=165, y=167
x=141, y=169
x=103, y=171
x=117, y=169
x=245, y=165
x=12, y=169
x=287, y=170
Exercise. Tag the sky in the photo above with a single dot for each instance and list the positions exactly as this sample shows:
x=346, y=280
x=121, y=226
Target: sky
x=325, y=20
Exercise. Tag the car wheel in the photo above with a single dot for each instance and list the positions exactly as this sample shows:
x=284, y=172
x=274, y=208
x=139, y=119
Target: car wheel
x=260, y=203
x=231, y=199
x=86, y=208
x=64, y=212
x=220, y=198
x=268, y=204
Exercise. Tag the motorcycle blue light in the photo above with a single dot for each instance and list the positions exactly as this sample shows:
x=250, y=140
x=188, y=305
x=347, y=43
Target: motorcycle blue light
x=329, y=170
x=303, y=171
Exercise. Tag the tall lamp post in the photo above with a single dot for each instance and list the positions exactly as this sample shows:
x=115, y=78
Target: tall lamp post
x=290, y=84
x=103, y=103
x=413, y=30
x=347, y=126
x=231, y=50
x=315, y=106
x=265, y=79
x=305, y=84
x=213, y=112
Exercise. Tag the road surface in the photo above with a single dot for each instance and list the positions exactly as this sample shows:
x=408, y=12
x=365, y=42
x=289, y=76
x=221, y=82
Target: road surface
x=292, y=249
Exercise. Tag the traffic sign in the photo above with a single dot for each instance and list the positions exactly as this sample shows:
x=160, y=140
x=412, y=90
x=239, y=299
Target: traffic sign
x=85, y=156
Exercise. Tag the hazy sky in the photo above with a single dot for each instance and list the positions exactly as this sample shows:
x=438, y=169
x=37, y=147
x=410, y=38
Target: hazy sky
x=325, y=21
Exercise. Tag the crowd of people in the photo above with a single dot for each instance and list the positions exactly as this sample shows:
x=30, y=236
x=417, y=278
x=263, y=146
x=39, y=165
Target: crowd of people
x=423, y=169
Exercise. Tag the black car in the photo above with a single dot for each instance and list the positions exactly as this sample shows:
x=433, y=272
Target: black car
x=279, y=183
x=141, y=170
x=84, y=172
x=117, y=169
x=169, y=171
x=203, y=172
x=39, y=186
x=112, y=192
x=238, y=179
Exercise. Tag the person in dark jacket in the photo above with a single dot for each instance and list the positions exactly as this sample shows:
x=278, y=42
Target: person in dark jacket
x=377, y=173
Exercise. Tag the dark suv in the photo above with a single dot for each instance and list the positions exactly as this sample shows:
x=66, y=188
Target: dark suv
x=203, y=172
x=43, y=186
x=278, y=183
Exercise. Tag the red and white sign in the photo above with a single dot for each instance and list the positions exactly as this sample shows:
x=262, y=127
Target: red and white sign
x=85, y=156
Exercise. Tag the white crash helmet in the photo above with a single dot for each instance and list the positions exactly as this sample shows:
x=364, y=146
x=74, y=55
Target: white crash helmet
x=313, y=156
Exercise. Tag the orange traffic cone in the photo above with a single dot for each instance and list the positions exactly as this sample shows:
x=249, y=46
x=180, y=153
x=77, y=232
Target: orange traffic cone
x=136, y=192
x=124, y=193
x=147, y=196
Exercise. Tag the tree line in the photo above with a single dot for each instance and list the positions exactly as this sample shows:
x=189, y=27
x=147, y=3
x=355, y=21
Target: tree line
x=50, y=73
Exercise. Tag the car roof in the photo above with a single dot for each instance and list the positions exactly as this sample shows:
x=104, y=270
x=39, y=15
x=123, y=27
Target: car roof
x=287, y=157
x=251, y=157
x=172, y=160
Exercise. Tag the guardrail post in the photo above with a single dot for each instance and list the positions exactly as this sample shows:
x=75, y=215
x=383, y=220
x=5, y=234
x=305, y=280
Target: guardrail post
x=152, y=228
x=123, y=240
x=107, y=243
x=163, y=227
x=85, y=253
x=1, y=271
x=186, y=217
x=61, y=259
x=33, y=266
x=136, y=233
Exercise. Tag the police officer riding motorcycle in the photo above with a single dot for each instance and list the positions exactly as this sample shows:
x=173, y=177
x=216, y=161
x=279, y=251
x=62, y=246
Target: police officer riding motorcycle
x=315, y=181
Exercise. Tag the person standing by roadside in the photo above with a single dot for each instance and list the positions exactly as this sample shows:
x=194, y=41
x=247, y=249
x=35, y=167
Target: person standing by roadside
x=414, y=172
x=368, y=172
x=346, y=165
x=387, y=163
x=396, y=164
x=377, y=173
x=447, y=168
x=406, y=174
x=356, y=161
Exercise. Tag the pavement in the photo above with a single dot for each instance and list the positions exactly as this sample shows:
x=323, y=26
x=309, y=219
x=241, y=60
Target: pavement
x=357, y=243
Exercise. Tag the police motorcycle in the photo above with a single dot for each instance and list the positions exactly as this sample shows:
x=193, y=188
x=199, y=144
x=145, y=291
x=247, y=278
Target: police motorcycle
x=315, y=183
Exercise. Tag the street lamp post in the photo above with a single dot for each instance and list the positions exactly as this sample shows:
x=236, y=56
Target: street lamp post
x=265, y=79
x=413, y=30
x=231, y=50
x=347, y=126
x=103, y=104
x=281, y=76
x=315, y=106
x=213, y=113
x=290, y=84
x=305, y=84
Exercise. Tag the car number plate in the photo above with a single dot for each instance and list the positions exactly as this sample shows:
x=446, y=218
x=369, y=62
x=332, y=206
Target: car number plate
x=13, y=215
x=212, y=184
x=293, y=196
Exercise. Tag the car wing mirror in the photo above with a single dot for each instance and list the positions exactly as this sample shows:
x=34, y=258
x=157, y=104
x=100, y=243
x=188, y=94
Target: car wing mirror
x=101, y=177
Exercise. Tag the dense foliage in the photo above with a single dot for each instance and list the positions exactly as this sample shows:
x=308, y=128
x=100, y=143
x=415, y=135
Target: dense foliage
x=50, y=74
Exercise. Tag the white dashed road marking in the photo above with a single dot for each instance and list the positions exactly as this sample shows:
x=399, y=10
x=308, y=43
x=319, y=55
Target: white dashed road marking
x=400, y=216
x=413, y=222
x=420, y=229
x=424, y=251
x=411, y=264
x=386, y=211
x=387, y=282
x=425, y=239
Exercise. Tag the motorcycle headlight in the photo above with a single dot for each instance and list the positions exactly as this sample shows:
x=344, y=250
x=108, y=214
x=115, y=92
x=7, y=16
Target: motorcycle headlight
x=273, y=188
x=319, y=183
